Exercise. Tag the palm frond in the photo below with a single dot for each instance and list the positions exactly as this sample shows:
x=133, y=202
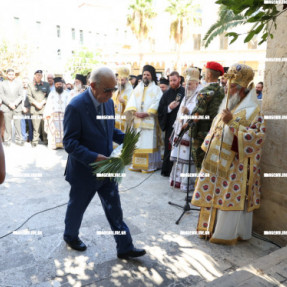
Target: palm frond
x=226, y=20
x=116, y=165
x=216, y=30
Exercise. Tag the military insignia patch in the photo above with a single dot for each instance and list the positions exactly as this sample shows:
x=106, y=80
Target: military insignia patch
x=178, y=97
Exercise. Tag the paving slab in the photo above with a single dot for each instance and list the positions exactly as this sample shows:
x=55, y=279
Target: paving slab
x=36, y=254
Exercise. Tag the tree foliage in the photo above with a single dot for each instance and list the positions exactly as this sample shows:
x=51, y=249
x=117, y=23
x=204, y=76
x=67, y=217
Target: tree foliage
x=226, y=20
x=83, y=62
x=183, y=13
x=15, y=56
x=139, y=18
x=233, y=13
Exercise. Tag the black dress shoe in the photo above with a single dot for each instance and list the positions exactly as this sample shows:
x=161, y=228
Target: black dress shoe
x=76, y=244
x=133, y=253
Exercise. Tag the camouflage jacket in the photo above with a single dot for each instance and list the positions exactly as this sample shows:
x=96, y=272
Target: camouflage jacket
x=207, y=105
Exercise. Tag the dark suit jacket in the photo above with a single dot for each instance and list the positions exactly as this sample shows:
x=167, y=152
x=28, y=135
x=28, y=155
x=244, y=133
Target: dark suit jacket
x=166, y=119
x=9, y=96
x=85, y=138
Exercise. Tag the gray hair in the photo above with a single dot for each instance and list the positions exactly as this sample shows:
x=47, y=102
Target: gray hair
x=98, y=74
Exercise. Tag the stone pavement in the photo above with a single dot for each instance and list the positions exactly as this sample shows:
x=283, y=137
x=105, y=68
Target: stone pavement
x=36, y=255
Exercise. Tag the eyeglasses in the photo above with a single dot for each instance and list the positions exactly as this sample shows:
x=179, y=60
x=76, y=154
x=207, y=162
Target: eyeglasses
x=110, y=90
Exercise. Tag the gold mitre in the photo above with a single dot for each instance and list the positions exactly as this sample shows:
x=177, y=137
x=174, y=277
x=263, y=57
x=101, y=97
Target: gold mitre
x=123, y=72
x=240, y=74
x=192, y=74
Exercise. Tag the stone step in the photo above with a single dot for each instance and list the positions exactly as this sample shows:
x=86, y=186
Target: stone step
x=269, y=270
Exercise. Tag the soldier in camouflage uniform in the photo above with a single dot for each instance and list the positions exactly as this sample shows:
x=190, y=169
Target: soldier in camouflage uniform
x=37, y=94
x=207, y=106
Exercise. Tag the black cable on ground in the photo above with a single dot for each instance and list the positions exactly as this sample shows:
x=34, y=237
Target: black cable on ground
x=31, y=217
x=11, y=232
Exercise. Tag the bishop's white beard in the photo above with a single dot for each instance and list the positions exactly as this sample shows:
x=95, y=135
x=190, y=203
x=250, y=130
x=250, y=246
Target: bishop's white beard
x=232, y=102
x=190, y=93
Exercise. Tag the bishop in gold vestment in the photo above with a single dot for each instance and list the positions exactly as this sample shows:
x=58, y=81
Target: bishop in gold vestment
x=232, y=191
x=121, y=97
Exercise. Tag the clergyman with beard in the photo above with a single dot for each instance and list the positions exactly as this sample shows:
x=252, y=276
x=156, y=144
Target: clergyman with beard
x=79, y=86
x=180, y=155
x=142, y=110
x=233, y=146
x=208, y=101
x=54, y=114
x=121, y=97
x=167, y=111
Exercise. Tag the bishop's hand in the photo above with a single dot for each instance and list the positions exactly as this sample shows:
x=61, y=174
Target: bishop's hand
x=185, y=110
x=226, y=116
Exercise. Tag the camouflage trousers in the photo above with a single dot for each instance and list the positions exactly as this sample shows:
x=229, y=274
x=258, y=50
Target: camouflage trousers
x=197, y=153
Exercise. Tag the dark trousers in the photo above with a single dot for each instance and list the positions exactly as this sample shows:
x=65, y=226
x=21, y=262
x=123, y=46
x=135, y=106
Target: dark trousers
x=38, y=127
x=30, y=129
x=197, y=153
x=167, y=164
x=8, y=116
x=24, y=124
x=80, y=197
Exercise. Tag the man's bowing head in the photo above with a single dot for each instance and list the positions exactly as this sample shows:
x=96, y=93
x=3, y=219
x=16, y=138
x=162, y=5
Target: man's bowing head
x=103, y=84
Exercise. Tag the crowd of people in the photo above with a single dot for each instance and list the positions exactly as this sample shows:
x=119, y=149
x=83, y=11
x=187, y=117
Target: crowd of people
x=207, y=122
x=36, y=108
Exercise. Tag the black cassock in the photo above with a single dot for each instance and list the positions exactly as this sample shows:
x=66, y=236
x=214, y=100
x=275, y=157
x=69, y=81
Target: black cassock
x=166, y=121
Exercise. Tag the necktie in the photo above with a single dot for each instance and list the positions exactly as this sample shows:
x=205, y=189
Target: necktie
x=99, y=110
x=100, y=113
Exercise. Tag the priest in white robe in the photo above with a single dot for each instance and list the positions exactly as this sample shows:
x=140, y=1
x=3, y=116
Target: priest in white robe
x=54, y=114
x=79, y=86
x=180, y=154
x=142, y=109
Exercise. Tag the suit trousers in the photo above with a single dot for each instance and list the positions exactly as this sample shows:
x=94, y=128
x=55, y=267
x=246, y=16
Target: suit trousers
x=38, y=128
x=81, y=196
x=167, y=164
x=8, y=116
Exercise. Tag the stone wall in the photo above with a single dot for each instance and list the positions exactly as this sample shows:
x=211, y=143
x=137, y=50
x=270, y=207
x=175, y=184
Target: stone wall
x=273, y=212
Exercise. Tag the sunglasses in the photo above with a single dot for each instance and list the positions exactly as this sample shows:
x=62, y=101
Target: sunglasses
x=110, y=90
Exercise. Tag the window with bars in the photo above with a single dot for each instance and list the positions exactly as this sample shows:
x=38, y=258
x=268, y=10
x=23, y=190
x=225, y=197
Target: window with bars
x=73, y=34
x=196, y=41
x=58, y=31
x=81, y=37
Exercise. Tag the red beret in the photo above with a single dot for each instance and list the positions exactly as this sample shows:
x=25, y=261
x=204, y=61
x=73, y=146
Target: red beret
x=215, y=66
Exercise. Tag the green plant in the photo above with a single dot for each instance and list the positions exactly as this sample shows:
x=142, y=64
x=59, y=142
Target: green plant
x=233, y=13
x=116, y=165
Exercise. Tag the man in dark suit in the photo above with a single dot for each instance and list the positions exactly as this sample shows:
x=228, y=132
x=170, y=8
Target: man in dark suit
x=11, y=95
x=88, y=139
